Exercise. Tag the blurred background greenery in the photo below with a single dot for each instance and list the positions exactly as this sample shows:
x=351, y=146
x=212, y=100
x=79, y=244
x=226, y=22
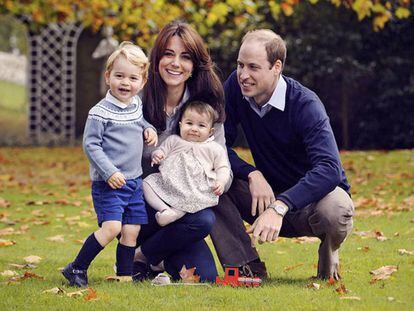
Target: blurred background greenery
x=357, y=56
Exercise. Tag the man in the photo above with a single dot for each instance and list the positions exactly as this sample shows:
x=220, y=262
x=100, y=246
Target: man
x=298, y=187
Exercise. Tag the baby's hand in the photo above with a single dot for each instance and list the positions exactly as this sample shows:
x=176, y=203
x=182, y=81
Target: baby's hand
x=150, y=136
x=117, y=180
x=218, y=188
x=157, y=157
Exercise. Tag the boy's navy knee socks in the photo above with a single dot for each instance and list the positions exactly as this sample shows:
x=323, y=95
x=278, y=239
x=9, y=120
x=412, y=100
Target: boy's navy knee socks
x=88, y=252
x=124, y=259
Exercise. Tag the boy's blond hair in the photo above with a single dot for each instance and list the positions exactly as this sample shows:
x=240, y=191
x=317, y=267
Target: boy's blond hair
x=133, y=53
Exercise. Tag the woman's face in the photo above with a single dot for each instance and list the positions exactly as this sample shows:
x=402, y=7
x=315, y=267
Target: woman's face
x=175, y=65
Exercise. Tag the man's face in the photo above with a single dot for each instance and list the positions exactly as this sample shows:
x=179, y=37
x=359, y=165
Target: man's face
x=256, y=76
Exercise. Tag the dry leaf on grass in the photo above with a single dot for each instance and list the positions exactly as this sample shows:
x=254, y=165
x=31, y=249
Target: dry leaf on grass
x=4, y=203
x=372, y=234
x=403, y=251
x=341, y=289
x=56, y=238
x=409, y=200
x=350, y=298
x=9, y=273
x=83, y=224
x=54, y=290
x=11, y=231
x=41, y=222
x=78, y=293
x=6, y=242
x=26, y=266
x=292, y=267
x=331, y=281
x=188, y=276
x=37, y=203
x=364, y=249
x=121, y=279
x=382, y=273
x=314, y=286
x=32, y=259
x=306, y=239
x=25, y=276
x=91, y=295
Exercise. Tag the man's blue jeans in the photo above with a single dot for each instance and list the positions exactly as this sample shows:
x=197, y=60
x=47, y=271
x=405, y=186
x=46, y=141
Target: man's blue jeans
x=180, y=243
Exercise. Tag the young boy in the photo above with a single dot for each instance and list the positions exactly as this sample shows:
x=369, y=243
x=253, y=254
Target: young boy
x=113, y=143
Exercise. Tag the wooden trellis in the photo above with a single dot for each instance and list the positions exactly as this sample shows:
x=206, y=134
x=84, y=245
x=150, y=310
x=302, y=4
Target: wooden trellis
x=52, y=83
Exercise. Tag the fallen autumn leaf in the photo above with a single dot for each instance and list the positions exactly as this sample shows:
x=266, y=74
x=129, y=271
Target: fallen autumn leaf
x=6, y=242
x=382, y=273
x=54, y=290
x=32, y=259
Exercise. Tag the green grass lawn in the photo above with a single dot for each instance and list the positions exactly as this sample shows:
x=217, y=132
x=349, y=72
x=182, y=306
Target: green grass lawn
x=13, y=114
x=45, y=209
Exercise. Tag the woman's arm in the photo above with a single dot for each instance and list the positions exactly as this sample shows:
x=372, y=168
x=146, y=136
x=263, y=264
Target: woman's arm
x=221, y=140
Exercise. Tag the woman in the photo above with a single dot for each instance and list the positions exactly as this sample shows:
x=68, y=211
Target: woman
x=181, y=68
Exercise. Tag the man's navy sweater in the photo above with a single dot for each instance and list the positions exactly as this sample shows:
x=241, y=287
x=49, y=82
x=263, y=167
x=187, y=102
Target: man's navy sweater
x=295, y=149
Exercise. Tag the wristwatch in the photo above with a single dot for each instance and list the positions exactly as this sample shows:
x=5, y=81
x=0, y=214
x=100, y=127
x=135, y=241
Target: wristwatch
x=279, y=208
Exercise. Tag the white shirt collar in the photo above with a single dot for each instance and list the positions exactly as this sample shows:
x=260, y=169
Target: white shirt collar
x=112, y=99
x=277, y=100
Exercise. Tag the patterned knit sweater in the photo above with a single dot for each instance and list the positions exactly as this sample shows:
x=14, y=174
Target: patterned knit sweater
x=113, y=139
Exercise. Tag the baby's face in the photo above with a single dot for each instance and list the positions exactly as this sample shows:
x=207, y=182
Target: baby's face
x=195, y=126
x=125, y=80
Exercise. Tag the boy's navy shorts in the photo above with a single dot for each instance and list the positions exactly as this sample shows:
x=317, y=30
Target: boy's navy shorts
x=125, y=204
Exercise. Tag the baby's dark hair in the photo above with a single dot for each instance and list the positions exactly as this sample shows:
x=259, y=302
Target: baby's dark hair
x=200, y=107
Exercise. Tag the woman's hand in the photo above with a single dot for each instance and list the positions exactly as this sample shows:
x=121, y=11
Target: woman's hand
x=157, y=157
x=117, y=180
x=150, y=137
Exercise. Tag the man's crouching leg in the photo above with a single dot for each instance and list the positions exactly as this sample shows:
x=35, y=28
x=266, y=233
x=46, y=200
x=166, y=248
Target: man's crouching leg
x=331, y=221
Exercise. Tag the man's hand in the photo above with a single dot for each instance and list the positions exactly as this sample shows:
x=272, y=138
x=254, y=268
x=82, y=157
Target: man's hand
x=150, y=136
x=157, y=157
x=117, y=180
x=266, y=228
x=262, y=193
x=218, y=188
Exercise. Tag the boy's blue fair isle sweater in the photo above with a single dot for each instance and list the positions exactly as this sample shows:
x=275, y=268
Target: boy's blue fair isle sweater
x=295, y=149
x=113, y=139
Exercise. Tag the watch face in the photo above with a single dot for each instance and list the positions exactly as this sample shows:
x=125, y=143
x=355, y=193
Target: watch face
x=280, y=209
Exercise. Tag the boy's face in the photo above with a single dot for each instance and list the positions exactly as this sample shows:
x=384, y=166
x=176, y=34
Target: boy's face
x=125, y=80
x=195, y=126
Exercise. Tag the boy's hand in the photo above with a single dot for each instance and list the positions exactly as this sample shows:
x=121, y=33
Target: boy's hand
x=150, y=137
x=157, y=157
x=218, y=188
x=117, y=180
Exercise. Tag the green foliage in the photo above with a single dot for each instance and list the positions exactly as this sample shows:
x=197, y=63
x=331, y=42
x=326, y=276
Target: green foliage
x=56, y=183
x=13, y=117
x=142, y=19
x=10, y=27
x=363, y=77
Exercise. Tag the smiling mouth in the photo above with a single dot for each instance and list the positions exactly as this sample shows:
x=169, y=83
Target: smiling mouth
x=172, y=72
x=246, y=84
x=122, y=90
